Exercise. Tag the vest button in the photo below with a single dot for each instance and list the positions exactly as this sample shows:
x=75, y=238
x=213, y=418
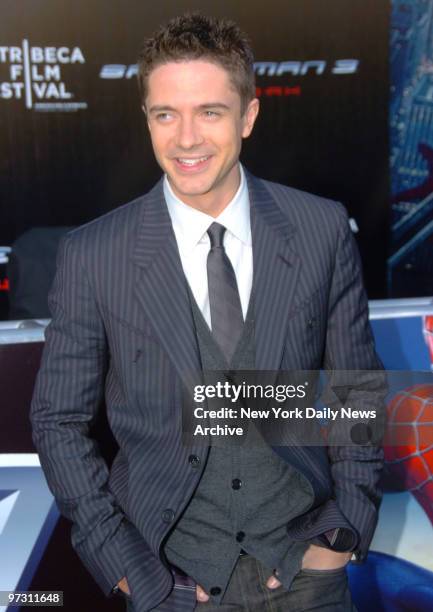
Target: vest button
x=240, y=536
x=194, y=461
x=215, y=591
x=236, y=484
x=167, y=515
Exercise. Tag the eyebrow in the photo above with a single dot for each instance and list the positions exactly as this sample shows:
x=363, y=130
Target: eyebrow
x=162, y=108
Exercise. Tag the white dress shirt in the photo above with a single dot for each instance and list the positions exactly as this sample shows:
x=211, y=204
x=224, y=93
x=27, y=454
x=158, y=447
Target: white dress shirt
x=190, y=227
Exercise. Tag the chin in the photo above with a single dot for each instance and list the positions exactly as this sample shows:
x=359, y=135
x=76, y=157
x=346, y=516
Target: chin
x=188, y=188
x=190, y=193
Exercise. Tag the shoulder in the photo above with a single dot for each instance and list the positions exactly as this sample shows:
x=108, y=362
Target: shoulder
x=303, y=206
x=103, y=248
x=117, y=225
x=115, y=231
x=317, y=226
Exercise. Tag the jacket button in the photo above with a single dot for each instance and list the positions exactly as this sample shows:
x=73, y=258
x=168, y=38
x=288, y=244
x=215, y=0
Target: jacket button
x=240, y=536
x=215, y=591
x=194, y=461
x=236, y=484
x=167, y=515
x=311, y=322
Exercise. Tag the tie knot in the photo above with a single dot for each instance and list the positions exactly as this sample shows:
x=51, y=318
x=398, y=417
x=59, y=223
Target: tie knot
x=216, y=234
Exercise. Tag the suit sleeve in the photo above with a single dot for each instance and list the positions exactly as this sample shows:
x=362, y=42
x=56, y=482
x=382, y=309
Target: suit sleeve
x=351, y=361
x=67, y=394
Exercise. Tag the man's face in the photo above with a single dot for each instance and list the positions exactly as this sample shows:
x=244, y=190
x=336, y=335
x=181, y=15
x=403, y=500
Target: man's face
x=196, y=127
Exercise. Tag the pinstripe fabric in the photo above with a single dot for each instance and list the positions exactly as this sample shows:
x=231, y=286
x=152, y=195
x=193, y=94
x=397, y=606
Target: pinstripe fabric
x=117, y=332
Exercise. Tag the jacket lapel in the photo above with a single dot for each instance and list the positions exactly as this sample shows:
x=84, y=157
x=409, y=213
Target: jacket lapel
x=276, y=269
x=162, y=292
x=161, y=288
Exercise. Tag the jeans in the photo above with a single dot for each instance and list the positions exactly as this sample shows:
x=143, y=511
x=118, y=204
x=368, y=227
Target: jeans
x=311, y=589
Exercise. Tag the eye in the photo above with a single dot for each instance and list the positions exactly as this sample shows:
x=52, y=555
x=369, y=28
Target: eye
x=163, y=117
x=211, y=114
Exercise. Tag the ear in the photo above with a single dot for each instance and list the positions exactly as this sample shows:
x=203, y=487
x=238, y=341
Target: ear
x=250, y=117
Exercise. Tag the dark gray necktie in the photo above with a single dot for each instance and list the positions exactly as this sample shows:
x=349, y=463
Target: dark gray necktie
x=225, y=304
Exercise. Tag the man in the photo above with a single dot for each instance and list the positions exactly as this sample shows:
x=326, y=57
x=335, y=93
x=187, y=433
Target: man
x=212, y=268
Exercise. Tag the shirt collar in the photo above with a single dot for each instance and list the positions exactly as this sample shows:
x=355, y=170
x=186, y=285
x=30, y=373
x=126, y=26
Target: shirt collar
x=190, y=224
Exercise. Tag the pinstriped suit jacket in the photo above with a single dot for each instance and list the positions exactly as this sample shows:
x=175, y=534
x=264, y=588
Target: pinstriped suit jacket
x=122, y=327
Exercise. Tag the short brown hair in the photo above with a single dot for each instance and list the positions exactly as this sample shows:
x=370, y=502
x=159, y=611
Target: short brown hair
x=196, y=36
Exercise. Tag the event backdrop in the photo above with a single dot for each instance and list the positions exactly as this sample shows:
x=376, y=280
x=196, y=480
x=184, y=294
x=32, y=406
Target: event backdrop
x=410, y=266
x=74, y=142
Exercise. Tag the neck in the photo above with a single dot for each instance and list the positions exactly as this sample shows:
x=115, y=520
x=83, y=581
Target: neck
x=218, y=198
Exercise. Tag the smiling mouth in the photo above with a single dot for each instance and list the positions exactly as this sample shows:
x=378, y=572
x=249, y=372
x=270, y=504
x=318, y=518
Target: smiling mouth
x=191, y=162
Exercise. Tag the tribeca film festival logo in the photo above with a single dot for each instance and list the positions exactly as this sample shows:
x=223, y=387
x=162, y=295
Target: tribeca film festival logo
x=35, y=76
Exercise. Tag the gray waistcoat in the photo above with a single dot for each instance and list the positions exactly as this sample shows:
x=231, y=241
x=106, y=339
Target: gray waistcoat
x=245, y=497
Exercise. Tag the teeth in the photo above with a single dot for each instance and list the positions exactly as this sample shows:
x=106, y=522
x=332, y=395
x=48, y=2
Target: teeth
x=192, y=162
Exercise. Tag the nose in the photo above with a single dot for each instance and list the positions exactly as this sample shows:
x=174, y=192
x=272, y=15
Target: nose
x=188, y=135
